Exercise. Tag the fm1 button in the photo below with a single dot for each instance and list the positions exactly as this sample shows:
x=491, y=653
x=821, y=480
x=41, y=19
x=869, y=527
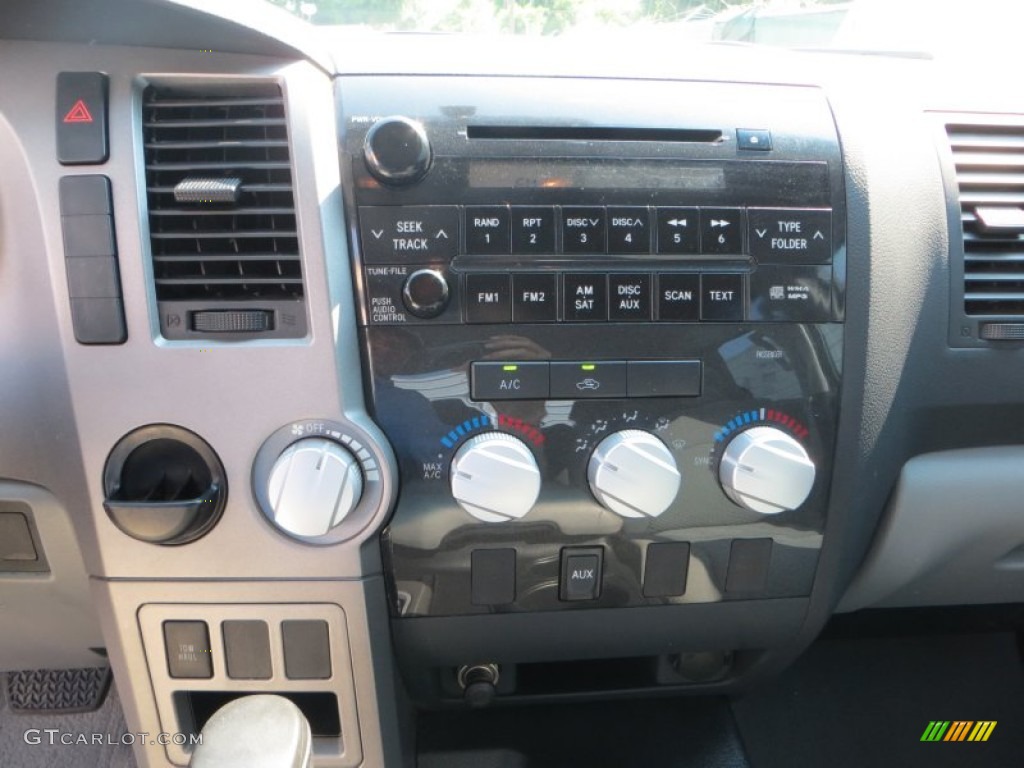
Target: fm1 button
x=509, y=381
x=581, y=573
x=721, y=297
x=488, y=299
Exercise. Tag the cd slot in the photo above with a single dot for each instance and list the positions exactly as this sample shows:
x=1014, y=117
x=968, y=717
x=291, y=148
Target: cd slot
x=592, y=133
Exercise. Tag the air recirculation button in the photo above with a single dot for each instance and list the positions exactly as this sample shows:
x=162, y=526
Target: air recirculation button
x=164, y=484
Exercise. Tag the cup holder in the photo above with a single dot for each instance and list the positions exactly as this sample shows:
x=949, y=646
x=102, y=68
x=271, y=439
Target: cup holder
x=164, y=485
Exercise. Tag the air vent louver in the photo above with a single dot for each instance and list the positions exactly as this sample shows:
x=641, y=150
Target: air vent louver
x=989, y=161
x=236, y=245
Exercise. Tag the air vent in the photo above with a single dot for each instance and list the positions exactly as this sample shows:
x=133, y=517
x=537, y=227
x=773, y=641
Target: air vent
x=989, y=161
x=221, y=210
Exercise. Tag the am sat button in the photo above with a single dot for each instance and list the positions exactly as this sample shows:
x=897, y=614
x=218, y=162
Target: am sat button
x=586, y=380
x=791, y=294
x=509, y=381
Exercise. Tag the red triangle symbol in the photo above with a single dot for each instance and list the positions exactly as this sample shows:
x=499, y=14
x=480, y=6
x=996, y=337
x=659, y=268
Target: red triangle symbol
x=78, y=113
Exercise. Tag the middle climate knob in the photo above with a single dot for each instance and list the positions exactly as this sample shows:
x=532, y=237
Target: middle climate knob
x=495, y=478
x=633, y=474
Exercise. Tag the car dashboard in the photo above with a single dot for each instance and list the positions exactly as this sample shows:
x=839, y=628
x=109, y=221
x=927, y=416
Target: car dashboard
x=411, y=373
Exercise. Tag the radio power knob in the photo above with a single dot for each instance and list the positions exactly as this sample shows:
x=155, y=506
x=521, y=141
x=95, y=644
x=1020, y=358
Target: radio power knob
x=495, y=478
x=765, y=470
x=633, y=474
x=313, y=486
x=397, y=150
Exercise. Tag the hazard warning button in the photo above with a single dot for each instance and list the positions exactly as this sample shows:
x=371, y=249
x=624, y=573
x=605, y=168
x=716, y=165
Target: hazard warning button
x=82, y=118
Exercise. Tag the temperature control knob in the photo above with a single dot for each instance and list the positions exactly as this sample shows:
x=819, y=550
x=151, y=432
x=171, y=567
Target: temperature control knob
x=765, y=470
x=495, y=477
x=633, y=474
x=313, y=486
x=397, y=150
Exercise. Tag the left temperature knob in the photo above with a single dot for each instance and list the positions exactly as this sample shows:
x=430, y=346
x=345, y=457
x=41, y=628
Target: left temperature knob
x=313, y=486
x=495, y=477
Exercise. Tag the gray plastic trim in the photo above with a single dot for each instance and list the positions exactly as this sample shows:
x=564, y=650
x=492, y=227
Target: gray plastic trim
x=953, y=534
x=47, y=619
x=362, y=675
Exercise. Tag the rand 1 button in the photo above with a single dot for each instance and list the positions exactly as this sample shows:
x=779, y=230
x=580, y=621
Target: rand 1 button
x=510, y=380
x=583, y=229
x=629, y=230
x=790, y=235
x=801, y=294
x=398, y=234
x=721, y=231
x=487, y=229
x=629, y=297
x=488, y=298
x=678, y=230
x=679, y=297
x=585, y=297
x=588, y=380
x=721, y=297
x=534, y=298
x=533, y=229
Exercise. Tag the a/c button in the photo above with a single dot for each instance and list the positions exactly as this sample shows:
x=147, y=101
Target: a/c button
x=509, y=381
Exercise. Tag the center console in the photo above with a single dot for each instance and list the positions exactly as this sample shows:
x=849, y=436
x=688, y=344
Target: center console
x=602, y=328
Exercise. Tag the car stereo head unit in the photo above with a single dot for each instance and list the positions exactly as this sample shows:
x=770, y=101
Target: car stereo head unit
x=608, y=353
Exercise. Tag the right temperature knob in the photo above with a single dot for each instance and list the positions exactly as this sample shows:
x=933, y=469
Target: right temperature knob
x=765, y=470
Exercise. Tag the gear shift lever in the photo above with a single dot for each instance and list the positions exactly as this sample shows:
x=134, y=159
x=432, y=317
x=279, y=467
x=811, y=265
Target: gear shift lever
x=259, y=731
